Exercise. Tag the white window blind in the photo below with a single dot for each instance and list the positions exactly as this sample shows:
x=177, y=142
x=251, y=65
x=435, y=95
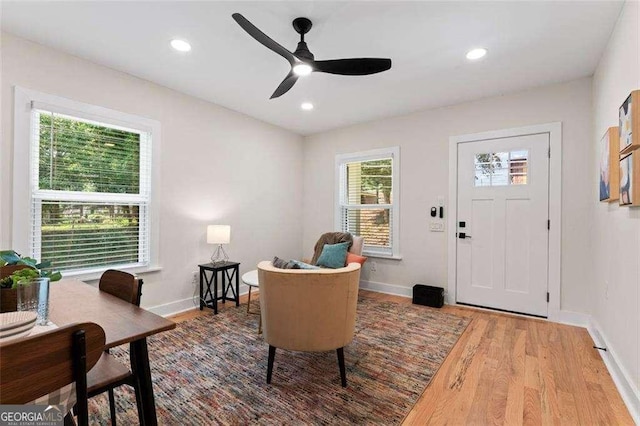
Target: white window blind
x=90, y=191
x=368, y=204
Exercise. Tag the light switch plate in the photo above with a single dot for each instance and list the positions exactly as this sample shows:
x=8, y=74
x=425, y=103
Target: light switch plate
x=436, y=226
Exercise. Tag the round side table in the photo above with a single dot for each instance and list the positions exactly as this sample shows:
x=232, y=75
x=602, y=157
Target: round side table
x=251, y=280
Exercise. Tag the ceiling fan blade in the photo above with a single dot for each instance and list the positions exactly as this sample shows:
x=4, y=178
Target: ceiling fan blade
x=354, y=66
x=286, y=84
x=262, y=38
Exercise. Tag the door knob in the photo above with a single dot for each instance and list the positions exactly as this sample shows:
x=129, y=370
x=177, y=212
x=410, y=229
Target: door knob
x=462, y=235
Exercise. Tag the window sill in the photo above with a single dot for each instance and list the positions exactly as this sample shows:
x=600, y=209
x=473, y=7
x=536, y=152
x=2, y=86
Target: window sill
x=94, y=275
x=382, y=256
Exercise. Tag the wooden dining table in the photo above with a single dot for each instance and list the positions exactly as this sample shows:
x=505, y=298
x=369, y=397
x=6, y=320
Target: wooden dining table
x=73, y=301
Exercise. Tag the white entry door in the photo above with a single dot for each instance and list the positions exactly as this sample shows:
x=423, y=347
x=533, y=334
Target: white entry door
x=502, y=223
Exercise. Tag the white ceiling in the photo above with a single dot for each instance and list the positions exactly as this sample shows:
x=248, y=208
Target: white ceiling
x=530, y=44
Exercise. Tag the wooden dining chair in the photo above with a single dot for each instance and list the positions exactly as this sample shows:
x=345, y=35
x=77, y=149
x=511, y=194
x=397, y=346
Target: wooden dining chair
x=41, y=365
x=109, y=373
x=122, y=285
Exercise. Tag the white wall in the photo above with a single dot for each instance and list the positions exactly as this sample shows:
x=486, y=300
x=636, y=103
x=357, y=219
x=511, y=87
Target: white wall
x=217, y=166
x=213, y=170
x=616, y=230
x=423, y=138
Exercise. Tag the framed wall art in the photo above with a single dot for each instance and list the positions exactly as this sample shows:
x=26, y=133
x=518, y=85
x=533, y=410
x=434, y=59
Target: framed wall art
x=629, y=123
x=609, y=166
x=629, y=173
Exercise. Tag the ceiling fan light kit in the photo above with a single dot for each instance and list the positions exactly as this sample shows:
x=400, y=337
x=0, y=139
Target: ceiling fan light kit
x=302, y=60
x=302, y=69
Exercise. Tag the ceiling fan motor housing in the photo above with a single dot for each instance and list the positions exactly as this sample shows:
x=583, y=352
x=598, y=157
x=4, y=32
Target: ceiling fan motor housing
x=302, y=26
x=302, y=51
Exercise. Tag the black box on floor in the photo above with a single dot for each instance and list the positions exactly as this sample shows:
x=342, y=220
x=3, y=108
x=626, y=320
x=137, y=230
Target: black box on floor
x=428, y=295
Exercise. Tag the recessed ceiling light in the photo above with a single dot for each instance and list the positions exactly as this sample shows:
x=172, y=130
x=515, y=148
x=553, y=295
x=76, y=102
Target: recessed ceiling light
x=180, y=45
x=307, y=106
x=475, y=54
x=302, y=69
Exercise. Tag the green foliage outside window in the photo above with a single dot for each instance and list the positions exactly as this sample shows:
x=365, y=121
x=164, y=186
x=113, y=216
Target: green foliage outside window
x=80, y=156
x=85, y=157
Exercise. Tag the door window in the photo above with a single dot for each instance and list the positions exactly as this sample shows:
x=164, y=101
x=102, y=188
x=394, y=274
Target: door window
x=501, y=168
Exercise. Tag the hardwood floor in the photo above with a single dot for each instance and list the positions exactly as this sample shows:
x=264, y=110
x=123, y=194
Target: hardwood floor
x=513, y=370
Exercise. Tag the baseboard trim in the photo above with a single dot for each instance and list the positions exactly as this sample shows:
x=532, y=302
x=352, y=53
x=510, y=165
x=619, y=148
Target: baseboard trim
x=563, y=317
x=396, y=290
x=571, y=318
x=185, y=305
x=173, y=308
x=620, y=376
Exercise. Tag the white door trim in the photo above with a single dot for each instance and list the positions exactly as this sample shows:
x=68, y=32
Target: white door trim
x=555, y=205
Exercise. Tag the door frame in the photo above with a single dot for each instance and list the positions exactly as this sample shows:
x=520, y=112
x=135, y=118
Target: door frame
x=554, y=130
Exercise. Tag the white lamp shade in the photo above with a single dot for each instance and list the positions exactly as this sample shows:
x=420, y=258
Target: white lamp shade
x=218, y=234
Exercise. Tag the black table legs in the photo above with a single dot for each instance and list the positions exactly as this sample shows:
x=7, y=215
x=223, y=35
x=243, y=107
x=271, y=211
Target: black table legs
x=142, y=371
x=237, y=288
x=227, y=284
x=202, y=278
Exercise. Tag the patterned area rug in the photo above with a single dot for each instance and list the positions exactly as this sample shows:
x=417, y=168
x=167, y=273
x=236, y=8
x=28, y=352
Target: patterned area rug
x=212, y=370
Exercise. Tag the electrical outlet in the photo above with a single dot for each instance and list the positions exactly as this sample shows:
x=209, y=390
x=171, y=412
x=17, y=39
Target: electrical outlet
x=372, y=266
x=606, y=290
x=436, y=226
x=194, y=277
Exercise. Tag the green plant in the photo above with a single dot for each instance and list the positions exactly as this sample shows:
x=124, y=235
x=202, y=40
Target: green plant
x=23, y=274
x=42, y=269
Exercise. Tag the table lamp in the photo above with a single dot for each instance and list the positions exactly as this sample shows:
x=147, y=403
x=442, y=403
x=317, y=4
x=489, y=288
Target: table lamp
x=219, y=234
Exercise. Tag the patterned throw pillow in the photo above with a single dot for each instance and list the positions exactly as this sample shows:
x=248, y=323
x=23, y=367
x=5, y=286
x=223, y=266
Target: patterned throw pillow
x=333, y=255
x=304, y=265
x=283, y=264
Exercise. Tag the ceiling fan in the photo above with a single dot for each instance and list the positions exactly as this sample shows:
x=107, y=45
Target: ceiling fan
x=302, y=60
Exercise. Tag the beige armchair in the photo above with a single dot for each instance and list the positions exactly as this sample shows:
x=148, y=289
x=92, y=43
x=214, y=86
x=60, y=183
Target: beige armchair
x=309, y=310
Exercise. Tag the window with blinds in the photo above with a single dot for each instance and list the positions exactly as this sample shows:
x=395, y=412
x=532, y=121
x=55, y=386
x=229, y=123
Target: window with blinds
x=368, y=204
x=90, y=192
